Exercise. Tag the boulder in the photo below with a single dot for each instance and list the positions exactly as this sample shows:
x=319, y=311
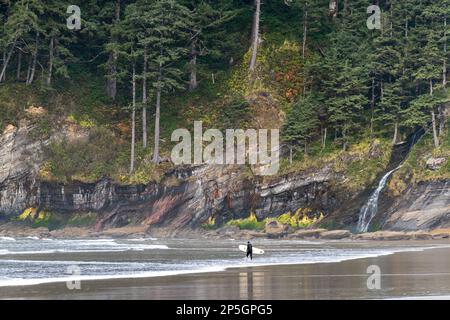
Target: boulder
x=275, y=229
x=442, y=233
x=375, y=150
x=250, y=234
x=335, y=234
x=440, y=236
x=435, y=163
x=302, y=234
x=392, y=236
x=419, y=235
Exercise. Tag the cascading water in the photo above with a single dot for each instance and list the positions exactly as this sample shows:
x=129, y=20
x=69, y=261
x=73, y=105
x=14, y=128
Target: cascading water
x=370, y=209
x=399, y=154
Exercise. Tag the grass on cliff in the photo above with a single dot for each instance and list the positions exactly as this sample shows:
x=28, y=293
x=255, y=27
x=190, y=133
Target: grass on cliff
x=302, y=218
x=357, y=164
x=43, y=218
x=415, y=169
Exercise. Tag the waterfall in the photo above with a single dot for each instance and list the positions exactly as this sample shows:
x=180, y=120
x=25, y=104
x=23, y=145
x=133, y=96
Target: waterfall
x=370, y=209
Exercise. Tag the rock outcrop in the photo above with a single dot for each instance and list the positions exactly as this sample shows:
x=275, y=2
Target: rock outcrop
x=335, y=234
x=200, y=192
x=19, y=164
x=423, y=207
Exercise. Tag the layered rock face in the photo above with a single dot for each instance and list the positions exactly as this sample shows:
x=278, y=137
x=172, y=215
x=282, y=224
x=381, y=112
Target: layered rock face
x=198, y=193
x=425, y=206
x=189, y=196
x=19, y=164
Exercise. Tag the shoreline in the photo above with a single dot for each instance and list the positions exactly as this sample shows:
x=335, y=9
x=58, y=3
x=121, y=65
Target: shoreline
x=12, y=229
x=129, y=283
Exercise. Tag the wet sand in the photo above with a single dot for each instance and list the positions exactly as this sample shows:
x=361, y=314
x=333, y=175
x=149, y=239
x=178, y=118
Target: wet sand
x=419, y=274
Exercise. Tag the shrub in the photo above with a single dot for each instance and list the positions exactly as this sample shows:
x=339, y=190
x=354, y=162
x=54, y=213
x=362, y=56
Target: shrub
x=250, y=223
x=84, y=160
x=209, y=224
x=82, y=219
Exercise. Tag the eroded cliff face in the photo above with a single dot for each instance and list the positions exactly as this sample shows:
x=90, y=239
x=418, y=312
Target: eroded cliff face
x=188, y=196
x=19, y=164
x=198, y=194
x=424, y=206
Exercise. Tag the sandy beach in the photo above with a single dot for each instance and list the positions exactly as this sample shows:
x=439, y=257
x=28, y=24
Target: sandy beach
x=415, y=274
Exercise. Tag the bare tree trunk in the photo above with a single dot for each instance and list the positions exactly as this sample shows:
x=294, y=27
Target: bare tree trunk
x=6, y=60
x=444, y=67
x=305, y=28
x=156, y=158
x=144, y=100
x=444, y=81
x=435, y=135
x=111, y=83
x=344, y=137
x=51, y=58
x=290, y=154
x=372, y=106
x=157, y=117
x=193, y=84
x=30, y=78
x=333, y=9
x=441, y=120
x=30, y=62
x=392, y=20
x=406, y=28
x=394, y=140
x=19, y=65
x=133, y=121
x=433, y=120
x=255, y=34
x=324, y=140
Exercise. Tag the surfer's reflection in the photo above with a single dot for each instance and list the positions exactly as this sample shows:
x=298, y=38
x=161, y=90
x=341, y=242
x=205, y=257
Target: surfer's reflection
x=251, y=285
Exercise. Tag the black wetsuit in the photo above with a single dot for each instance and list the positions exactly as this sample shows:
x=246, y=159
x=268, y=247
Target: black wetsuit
x=250, y=251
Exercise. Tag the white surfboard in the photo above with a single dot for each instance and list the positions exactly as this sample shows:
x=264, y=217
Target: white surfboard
x=243, y=248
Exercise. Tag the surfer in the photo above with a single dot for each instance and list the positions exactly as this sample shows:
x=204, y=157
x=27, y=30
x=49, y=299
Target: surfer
x=249, y=250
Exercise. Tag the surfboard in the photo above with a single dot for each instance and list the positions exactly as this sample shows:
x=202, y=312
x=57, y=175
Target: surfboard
x=243, y=248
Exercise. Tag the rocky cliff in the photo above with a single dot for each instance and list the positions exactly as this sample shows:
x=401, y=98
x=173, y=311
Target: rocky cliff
x=187, y=197
x=425, y=206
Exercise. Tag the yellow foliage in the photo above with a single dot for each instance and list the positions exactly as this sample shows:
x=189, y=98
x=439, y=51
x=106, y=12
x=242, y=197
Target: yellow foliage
x=301, y=219
x=28, y=213
x=210, y=223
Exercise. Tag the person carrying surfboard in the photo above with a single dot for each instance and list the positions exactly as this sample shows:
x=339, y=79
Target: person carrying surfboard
x=249, y=250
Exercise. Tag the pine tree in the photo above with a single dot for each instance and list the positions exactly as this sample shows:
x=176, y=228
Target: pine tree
x=255, y=34
x=302, y=122
x=58, y=37
x=167, y=24
x=207, y=36
x=22, y=20
x=429, y=69
x=346, y=81
x=129, y=51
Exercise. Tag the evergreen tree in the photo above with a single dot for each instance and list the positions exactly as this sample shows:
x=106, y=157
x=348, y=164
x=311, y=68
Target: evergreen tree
x=167, y=24
x=22, y=19
x=58, y=37
x=302, y=121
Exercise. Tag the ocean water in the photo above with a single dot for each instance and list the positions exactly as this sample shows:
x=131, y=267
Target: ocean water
x=31, y=261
